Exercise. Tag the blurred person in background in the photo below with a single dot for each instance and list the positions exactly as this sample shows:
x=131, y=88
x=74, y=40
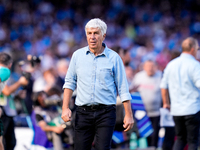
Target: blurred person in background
x=9, y=110
x=99, y=74
x=31, y=70
x=46, y=81
x=123, y=53
x=181, y=95
x=61, y=69
x=125, y=56
x=5, y=65
x=147, y=83
x=129, y=74
x=47, y=115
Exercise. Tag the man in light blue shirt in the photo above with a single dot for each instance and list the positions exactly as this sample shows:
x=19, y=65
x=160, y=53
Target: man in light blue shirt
x=181, y=80
x=98, y=74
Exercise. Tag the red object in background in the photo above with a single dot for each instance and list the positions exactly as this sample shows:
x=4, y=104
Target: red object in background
x=186, y=147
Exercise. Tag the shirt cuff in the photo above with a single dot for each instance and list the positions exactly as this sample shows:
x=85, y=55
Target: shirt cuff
x=125, y=97
x=163, y=86
x=69, y=86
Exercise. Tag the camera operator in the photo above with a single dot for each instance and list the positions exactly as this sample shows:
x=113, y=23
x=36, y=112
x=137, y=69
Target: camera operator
x=9, y=110
x=5, y=65
x=30, y=69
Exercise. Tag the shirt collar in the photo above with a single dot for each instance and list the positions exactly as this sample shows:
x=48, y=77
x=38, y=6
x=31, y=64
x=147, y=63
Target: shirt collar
x=105, y=52
x=187, y=55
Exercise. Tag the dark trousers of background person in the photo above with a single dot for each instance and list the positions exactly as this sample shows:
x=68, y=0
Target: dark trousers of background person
x=9, y=139
x=169, y=138
x=187, y=131
x=98, y=124
x=153, y=138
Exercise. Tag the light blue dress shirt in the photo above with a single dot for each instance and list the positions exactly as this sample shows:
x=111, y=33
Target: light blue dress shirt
x=182, y=78
x=98, y=79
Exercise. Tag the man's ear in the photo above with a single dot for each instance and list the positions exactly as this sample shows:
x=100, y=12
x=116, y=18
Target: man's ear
x=192, y=51
x=104, y=36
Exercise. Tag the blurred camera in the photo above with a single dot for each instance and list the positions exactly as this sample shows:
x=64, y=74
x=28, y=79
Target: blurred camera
x=27, y=75
x=53, y=100
x=34, y=60
x=31, y=61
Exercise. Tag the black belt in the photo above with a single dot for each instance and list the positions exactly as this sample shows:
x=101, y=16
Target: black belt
x=95, y=107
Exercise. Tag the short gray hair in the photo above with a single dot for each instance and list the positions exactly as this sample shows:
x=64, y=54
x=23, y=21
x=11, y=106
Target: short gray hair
x=97, y=23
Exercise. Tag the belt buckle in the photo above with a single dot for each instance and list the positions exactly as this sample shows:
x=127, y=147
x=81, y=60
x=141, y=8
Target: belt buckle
x=93, y=107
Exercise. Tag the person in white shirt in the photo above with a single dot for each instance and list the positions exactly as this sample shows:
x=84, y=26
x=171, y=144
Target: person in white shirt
x=147, y=83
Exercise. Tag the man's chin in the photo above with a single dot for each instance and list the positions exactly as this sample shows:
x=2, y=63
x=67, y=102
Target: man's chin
x=93, y=46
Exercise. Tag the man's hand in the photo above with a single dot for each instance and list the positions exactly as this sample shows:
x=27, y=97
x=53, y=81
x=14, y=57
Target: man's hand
x=165, y=98
x=128, y=119
x=166, y=106
x=23, y=81
x=66, y=115
x=128, y=122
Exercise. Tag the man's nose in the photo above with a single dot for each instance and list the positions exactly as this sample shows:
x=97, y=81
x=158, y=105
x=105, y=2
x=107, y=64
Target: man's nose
x=92, y=36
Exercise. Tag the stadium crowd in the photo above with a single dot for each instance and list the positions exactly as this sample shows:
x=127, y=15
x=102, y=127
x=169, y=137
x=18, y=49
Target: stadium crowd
x=41, y=36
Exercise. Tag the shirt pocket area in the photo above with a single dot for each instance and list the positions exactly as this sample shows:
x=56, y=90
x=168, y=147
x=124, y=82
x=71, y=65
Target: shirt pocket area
x=106, y=77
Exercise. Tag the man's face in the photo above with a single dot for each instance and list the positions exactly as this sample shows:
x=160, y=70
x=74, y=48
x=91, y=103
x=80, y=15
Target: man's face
x=150, y=68
x=94, y=38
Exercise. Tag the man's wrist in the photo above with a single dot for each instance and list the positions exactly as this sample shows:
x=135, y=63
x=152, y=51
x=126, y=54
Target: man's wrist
x=65, y=107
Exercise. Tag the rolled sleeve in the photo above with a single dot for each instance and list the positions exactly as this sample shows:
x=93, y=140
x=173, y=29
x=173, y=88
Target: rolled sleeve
x=69, y=85
x=164, y=82
x=71, y=76
x=121, y=81
x=195, y=73
x=125, y=97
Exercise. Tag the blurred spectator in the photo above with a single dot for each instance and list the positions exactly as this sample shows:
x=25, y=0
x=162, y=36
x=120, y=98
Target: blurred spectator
x=45, y=113
x=175, y=54
x=45, y=82
x=29, y=29
x=61, y=70
x=129, y=74
x=124, y=54
x=163, y=58
x=147, y=83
